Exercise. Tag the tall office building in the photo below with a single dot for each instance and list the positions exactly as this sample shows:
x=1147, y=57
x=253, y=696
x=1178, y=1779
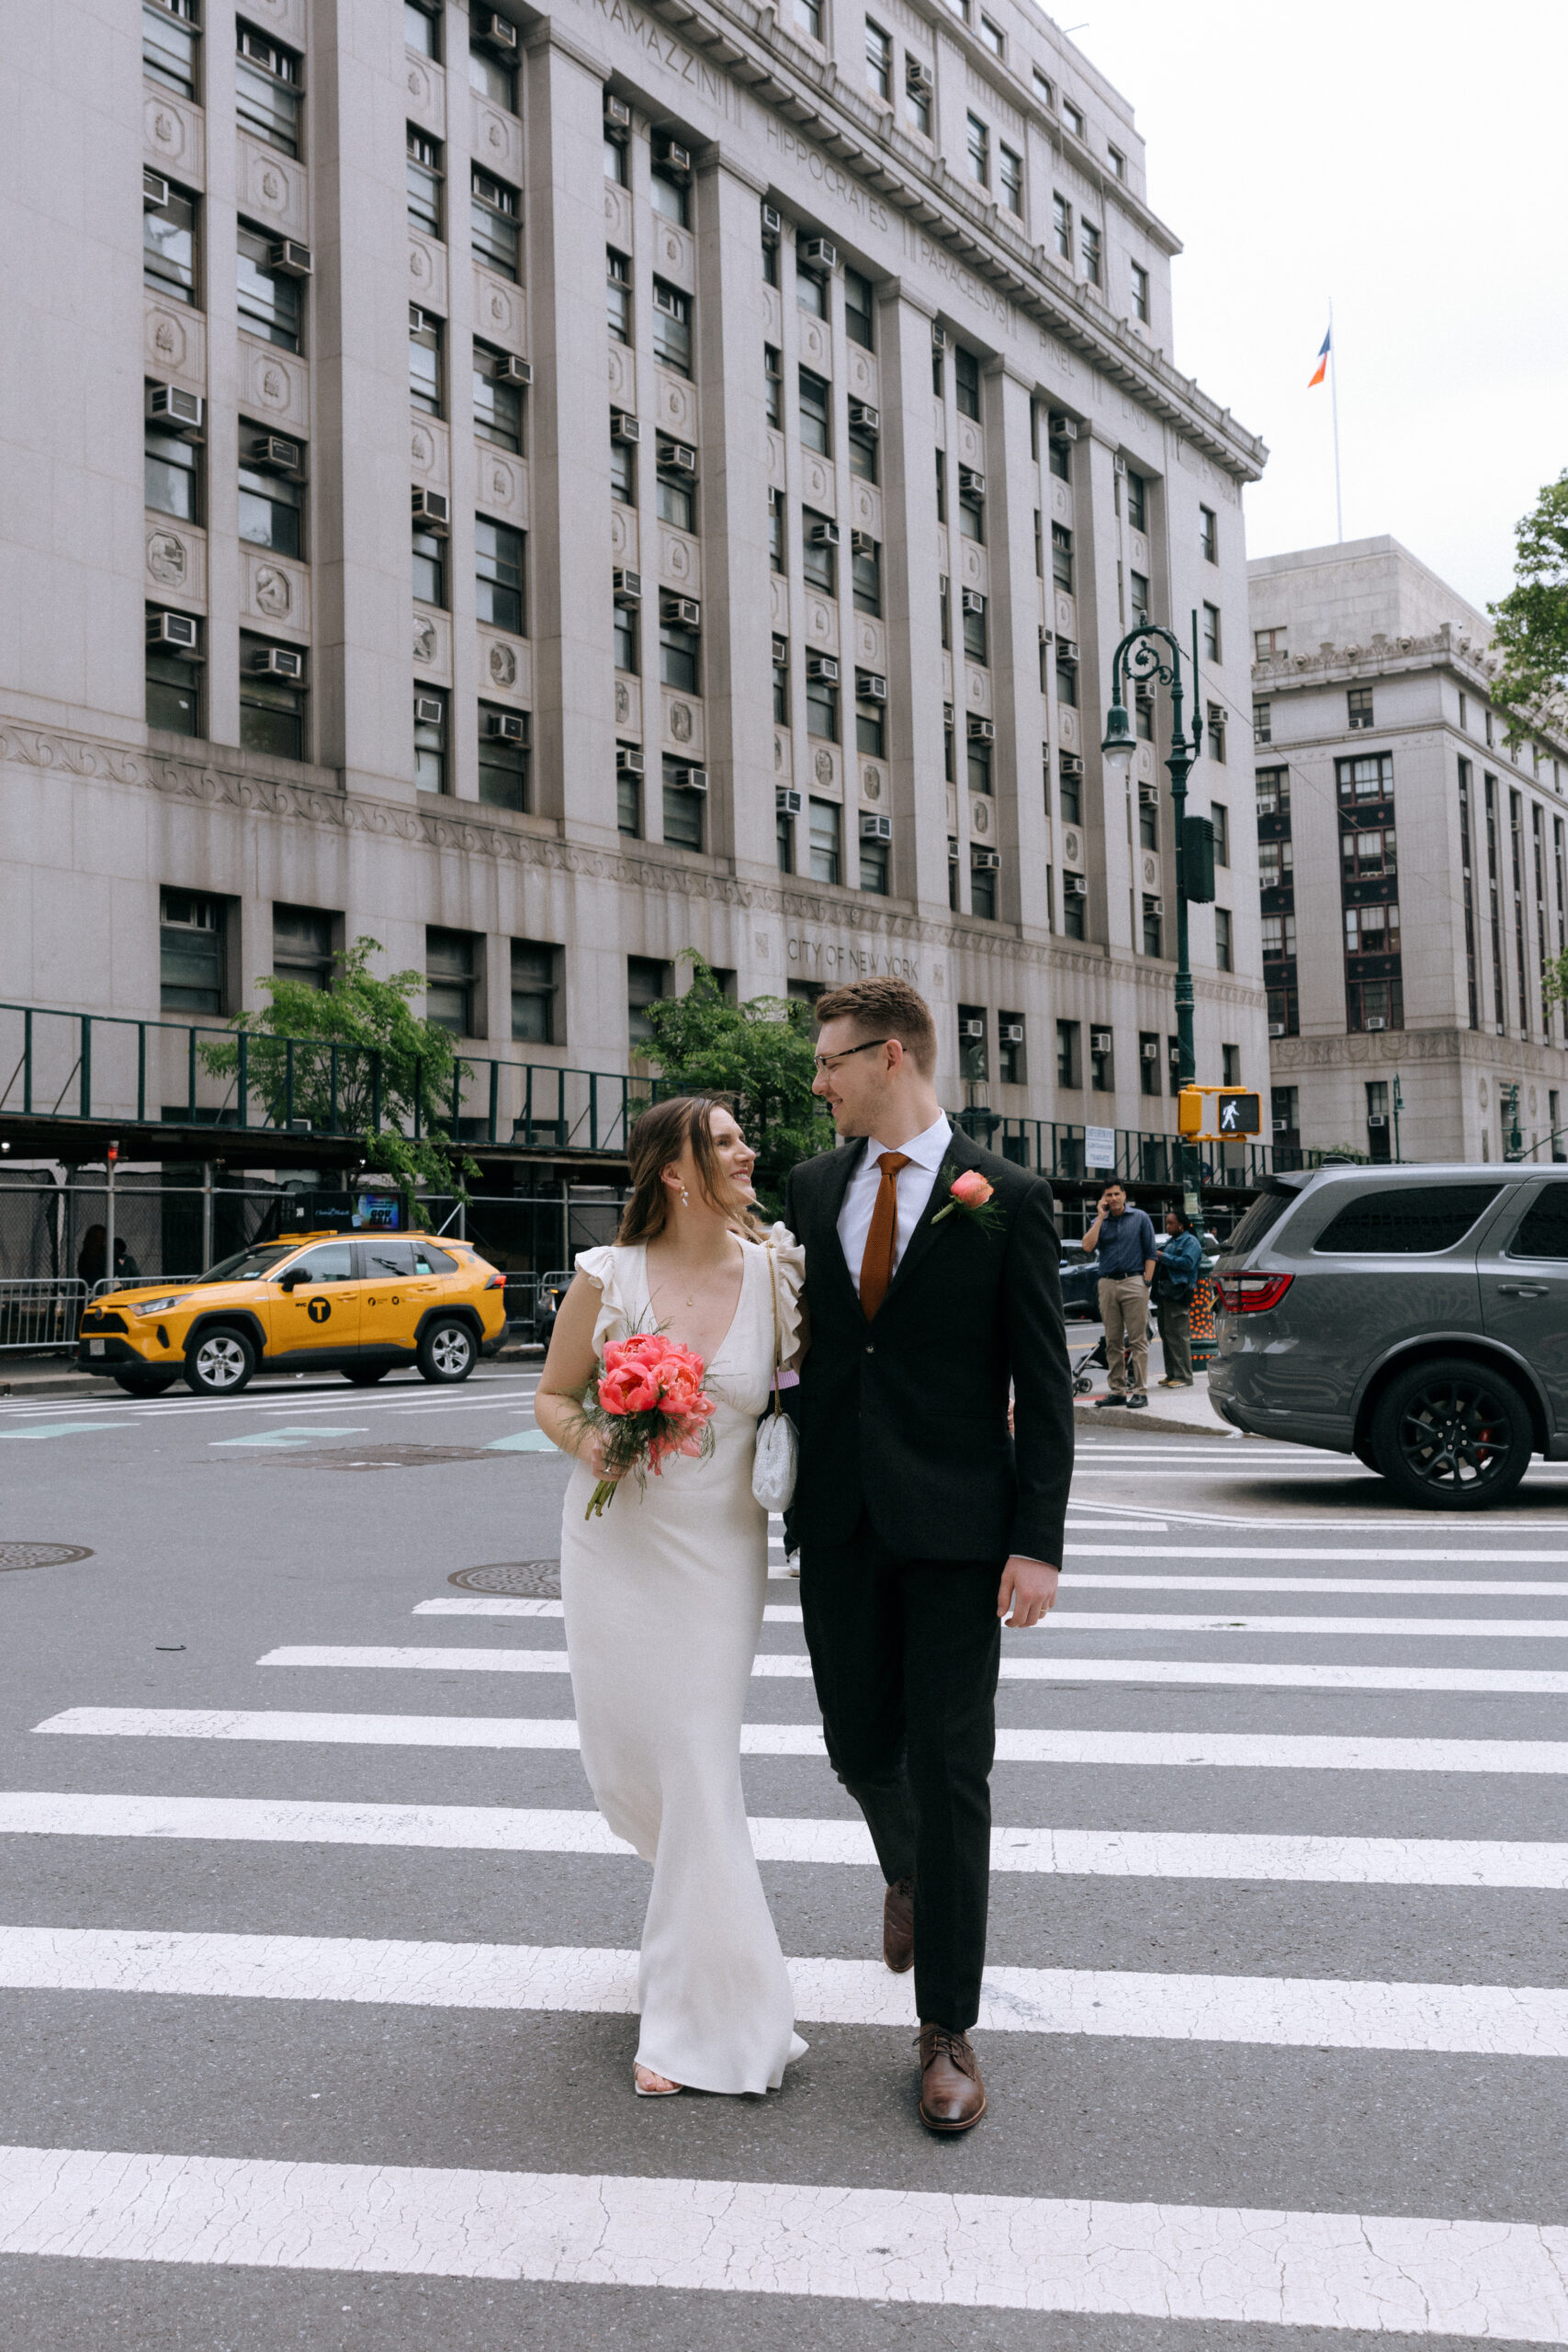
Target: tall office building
x=551, y=489
x=1412, y=867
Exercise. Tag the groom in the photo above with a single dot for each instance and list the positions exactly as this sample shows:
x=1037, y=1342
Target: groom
x=919, y=1528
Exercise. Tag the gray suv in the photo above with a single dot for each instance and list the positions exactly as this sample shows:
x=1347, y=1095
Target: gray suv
x=1416, y=1317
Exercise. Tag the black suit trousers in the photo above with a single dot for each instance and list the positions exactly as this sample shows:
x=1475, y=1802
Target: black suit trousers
x=904, y=1653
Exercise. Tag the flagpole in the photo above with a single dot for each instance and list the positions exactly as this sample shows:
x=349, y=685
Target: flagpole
x=1334, y=397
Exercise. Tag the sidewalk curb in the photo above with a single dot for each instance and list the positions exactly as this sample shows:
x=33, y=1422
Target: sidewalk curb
x=1117, y=1417
x=62, y=1384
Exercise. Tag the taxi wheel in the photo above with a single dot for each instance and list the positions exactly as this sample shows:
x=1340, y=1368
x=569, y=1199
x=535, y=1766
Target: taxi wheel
x=447, y=1353
x=220, y=1363
x=366, y=1376
x=151, y=1382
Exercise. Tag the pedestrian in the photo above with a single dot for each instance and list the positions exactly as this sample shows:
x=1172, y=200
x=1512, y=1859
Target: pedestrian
x=1125, y=1241
x=92, y=1263
x=1175, y=1288
x=126, y=1269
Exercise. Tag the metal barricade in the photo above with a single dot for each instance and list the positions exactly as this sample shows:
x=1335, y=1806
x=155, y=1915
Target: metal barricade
x=41, y=1315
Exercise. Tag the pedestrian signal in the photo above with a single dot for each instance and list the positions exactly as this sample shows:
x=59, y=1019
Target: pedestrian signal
x=1240, y=1112
x=1189, y=1111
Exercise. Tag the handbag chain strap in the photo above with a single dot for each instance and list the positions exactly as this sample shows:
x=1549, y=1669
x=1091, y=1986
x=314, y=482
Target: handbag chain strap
x=778, y=1342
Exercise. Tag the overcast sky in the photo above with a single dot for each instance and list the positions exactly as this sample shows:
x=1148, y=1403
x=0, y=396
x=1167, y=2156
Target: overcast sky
x=1408, y=160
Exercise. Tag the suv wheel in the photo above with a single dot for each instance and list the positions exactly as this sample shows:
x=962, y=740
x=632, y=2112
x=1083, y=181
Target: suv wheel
x=151, y=1382
x=447, y=1353
x=1453, y=1435
x=220, y=1363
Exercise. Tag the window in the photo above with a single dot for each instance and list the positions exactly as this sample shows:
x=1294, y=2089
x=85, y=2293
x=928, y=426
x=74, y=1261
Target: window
x=978, y=764
x=430, y=739
x=1416, y=1221
x=667, y=189
x=781, y=684
x=676, y=500
x=1009, y=179
x=171, y=470
x=874, y=866
x=1272, y=786
x=1062, y=557
x=420, y=30
x=1371, y=931
x=777, y=559
x=1088, y=251
x=1062, y=226
x=978, y=140
x=993, y=37
x=1072, y=118
x=1173, y=1065
x=615, y=157
x=769, y=258
x=1069, y=1060
x=815, y=396
x=302, y=946
x=649, y=980
x=269, y=503
x=1045, y=88
x=1367, y=853
x=1230, y=1065
x=819, y=556
x=1276, y=865
x=871, y=730
x=1012, y=1063
x=535, y=988
x=810, y=289
x=1216, y=715
x=498, y=574
x=619, y=294
x=1212, y=631
x=168, y=246
x=493, y=214
x=1148, y=817
x=1370, y=777
x=492, y=78
x=266, y=90
x=917, y=97
x=1225, y=955
x=975, y=627
x=1208, y=533
x=1140, y=293
x=809, y=18
x=974, y=1066
x=1148, y=1061
x=424, y=177
x=1487, y=721
x=451, y=975
x=671, y=328
x=1118, y=162
x=826, y=829
x=1262, y=723
x=1358, y=710
x=865, y=567
x=625, y=633
x=1137, y=500
x=1070, y=793
x=425, y=360
x=272, y=710
x=628, y=804
x=1067, y=684
x=1138, y=597
x=429, y=566
x=859, y=310
x=1102, y=1061
x=966, y=382
x=190, y=951
x=168, y=45
x=503, y=759
x=1269, y=644
x=498, y=408
x=971, y=513
x=772, y=368
x=784, y=838
x=862, y=452
x=1278, y=938
x=940, y=486
x=269, y=302
x=173, y=690
x=822, y=709
x=678, y=650
x=878, y=61
x=1373, y=1005
x=1284, y=1113
x=1142, y=702
x=682, y=808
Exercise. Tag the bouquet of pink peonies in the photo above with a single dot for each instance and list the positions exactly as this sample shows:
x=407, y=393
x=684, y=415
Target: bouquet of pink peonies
x=647, y=1404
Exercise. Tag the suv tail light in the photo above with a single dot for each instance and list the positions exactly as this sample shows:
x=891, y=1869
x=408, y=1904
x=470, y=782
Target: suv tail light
x=496, y=1282
x=1253, y=1293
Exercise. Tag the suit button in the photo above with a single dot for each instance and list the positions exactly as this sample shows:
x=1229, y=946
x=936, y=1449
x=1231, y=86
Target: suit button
x=870, y=1351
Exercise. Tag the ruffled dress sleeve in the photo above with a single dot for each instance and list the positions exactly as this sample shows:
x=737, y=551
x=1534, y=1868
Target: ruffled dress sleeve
x=604, y=1268
x=787, y=1259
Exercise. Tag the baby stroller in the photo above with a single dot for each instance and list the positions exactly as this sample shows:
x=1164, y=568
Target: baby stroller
x=1095, y=1359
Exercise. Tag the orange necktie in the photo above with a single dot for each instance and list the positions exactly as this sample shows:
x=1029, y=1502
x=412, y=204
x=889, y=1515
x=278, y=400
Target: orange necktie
x=877, y=1265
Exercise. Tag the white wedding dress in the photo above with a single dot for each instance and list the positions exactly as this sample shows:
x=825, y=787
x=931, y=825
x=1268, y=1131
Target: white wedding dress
x=663, y=1601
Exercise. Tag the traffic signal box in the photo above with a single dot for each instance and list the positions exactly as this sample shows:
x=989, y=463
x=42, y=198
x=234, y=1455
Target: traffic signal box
x=1238, y=1113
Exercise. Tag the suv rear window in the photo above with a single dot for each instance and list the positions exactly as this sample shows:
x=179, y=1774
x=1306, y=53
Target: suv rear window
x=1401, y=1223
x=1544, y=1231
x=1260, y=1219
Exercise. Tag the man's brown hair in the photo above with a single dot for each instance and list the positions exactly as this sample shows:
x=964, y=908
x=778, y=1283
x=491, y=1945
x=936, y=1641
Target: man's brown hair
x=885, y=1008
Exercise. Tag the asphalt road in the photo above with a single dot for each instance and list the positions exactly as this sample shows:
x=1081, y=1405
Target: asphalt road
x=314, y=1980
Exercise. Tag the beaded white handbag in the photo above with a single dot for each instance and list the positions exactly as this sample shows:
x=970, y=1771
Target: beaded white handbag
x=777, y=1457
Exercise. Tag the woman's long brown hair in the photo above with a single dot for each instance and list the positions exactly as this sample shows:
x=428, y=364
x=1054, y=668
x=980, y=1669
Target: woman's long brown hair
x=660, y=1135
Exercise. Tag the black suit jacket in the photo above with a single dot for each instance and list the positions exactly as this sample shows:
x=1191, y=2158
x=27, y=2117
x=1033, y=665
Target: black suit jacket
x=905, y=1417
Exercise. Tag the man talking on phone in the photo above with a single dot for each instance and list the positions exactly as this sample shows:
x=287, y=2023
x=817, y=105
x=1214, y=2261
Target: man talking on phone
x=1126, y=1240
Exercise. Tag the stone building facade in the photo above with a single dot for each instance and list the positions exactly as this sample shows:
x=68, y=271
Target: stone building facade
x=775, y=413
x=1412, y=867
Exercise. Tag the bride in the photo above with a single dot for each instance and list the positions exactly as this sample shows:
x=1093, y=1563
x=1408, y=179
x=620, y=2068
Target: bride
x=664, y=1594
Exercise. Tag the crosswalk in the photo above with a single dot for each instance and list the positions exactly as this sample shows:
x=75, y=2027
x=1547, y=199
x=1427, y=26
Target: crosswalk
x=1140, y=1761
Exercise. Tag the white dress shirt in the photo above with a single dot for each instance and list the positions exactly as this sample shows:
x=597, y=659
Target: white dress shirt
x=913, y=1184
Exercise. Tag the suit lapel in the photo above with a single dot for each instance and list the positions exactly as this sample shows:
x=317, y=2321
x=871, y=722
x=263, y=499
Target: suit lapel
x=959, y=1153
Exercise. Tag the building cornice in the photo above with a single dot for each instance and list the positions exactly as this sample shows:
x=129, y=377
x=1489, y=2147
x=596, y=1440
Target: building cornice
x=1446, y=648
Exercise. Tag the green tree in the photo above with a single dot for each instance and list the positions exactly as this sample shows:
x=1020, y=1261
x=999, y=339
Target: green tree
x=1531, y=632
x=759, y=1056
x=354, y=1058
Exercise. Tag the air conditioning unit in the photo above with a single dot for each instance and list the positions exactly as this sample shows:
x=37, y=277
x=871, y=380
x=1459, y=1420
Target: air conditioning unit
x=970, y=483
x=862, y=543
x=676, y=457
x=181, y=632
x=971, y=601
x=1099, y=1041
x=433, y=509
x=1152, y=905
x=972, y=1032
x=1282, y=1126
x=617, y=114
x=494, y=32
x=772, y=224
x=874, y=828
x=1118, y=463
x=1377, y=1024
x=510, y=370
x=693, y=779
x=1276, y=1028
x=184, y=412
x=624, y=428
x=279, y=661
x=816, y=252
x=155, y=191
x=507, y=726
x=669, y=153
x=1070, y=764
x=824, y=535
x=1148, y=795
x=985, y=861
x=629, y=761
x=863, y=418
x=1376, y=1118
x=938, y=338
x=917, y=78
x=269, y=453
x=1067, y=652
x=1062, y=428
x=947, y=718
x=1149, y=1050
x=822, y=669
x=787, y=801
x=685, y=611
x=870, y=686
x=982, y=730
x=429, y=710
x=1074, y=885
x=1046, y=635
x=781, y=651
x=290, y=258
x=627, y=586
x=257, y=47
x=772, y=363
x=1010, y=1032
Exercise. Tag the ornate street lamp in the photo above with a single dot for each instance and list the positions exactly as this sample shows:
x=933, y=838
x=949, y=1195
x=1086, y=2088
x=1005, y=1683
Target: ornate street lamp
x=1150, y=653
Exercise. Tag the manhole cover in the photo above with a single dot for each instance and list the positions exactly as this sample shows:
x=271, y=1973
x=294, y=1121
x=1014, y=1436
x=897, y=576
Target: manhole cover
x=41, y=1556
x=385, y=1457
x=539, y=1579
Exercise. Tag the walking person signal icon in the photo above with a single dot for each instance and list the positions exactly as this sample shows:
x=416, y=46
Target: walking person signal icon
x=1241, y=1113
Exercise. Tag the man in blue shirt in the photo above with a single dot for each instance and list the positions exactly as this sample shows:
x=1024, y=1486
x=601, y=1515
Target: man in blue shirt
x=1125, y=1241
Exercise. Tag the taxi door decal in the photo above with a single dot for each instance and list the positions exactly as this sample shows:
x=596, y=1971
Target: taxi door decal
x=318, y=1309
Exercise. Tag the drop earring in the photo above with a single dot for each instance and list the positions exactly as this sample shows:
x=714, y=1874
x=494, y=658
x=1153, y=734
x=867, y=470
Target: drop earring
x=685, y=1198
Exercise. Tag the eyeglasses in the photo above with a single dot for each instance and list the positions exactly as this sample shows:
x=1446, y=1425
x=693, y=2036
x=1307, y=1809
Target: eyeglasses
x=822, y=1062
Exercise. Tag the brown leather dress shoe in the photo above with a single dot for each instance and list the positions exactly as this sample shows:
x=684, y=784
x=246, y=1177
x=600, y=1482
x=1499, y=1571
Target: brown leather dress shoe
x=953, y=2097
x=899, y=1926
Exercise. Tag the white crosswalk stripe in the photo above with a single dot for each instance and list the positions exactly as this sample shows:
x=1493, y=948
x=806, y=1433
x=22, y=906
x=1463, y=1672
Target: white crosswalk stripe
x=1067, y=1619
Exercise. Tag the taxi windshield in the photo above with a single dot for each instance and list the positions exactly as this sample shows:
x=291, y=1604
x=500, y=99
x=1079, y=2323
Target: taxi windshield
x=251, y=1265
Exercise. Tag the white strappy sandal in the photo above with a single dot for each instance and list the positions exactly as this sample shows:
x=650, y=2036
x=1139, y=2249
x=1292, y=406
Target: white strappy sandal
x=667, y=2090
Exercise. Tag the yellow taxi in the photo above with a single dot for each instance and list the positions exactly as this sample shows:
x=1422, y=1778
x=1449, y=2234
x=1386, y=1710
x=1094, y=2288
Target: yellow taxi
x=359, y=1304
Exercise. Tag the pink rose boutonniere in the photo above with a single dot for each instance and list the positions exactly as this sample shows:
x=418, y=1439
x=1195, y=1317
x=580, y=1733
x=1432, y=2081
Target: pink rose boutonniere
x=970, y=1196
